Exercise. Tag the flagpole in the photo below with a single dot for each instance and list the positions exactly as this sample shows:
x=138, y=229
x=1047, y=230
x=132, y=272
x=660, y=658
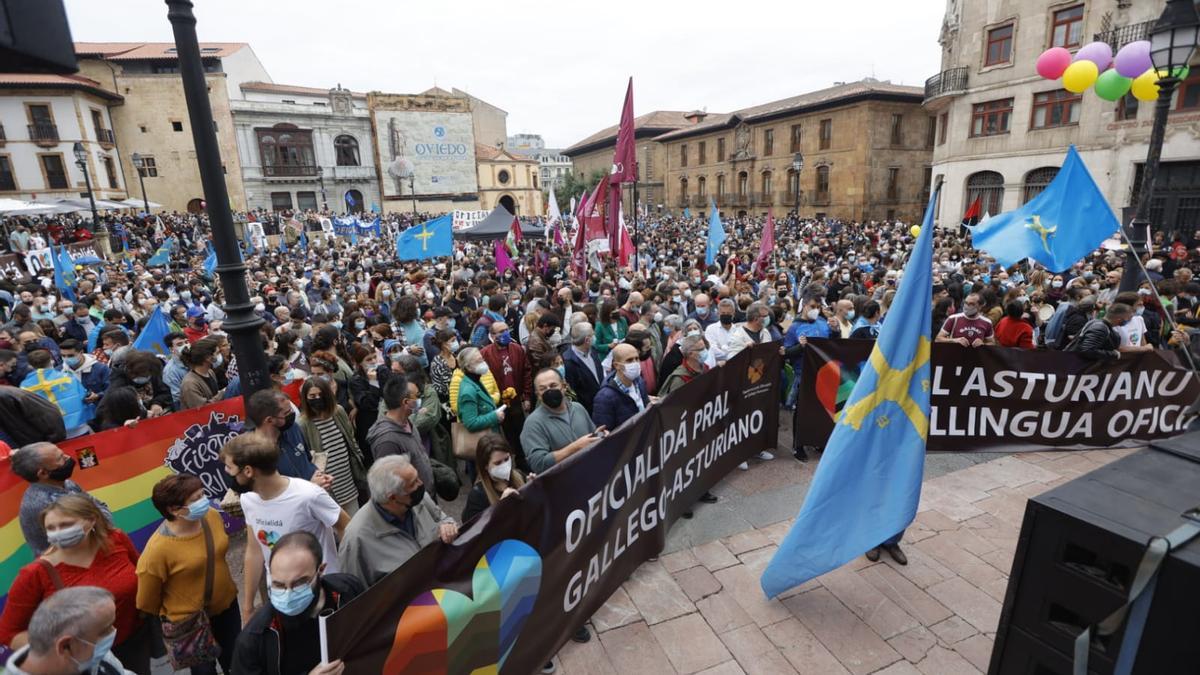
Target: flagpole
x=1186, y=349
x=636, y=243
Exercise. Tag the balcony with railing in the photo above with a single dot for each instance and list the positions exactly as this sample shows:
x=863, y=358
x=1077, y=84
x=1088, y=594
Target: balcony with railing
x=349, y=173
x=737, y=199
x=787, y=198
x=289, y=170
x=700, y=200
x=762, y=198
x=105, y=136
x=683, y=201
x=44, y=134
x=819, y=198
x=946, y=83
x=1122, y=35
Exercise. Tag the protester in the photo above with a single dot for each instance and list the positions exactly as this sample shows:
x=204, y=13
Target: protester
x=400, y=520
x=72, y=631
x=48, y=470
x=557, y=428
x=583, y=365
x=199, y=386
x=497, y=478
x=395, y=434
x=329, y=436
x=623, y=394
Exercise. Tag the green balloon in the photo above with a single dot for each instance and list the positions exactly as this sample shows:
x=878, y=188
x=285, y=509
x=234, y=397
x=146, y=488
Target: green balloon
x=1111, y=86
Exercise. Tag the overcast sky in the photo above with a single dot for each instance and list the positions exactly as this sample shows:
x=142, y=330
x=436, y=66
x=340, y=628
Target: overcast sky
x=559, y=68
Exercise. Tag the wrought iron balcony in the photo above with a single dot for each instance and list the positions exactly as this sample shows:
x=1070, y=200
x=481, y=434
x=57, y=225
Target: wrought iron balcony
x=787, y=198
x=1122, y=35
x=289, y=170
x=817, y=198
x=951, y=81
x=682, y=201
x=43, y=133
x=738, y=199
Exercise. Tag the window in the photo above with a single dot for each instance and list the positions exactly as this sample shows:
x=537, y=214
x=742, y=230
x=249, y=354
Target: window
x=306, y=201
x=346, y=148
x=110, y=168
x=999, y=45
x=893, y=183
x=826, y=134
x=42, y=129
x=54, y=171
x=8, y=180
x=40, y=114
x=289, y=100
x=286, y=150
x=1055, y=109
x=702, y=187
x=926, y=184
x=1066, y=30
x=720, y=187
x=1188, y=97
x=897, y=129
x=149, y=168
x=503, y=177
x=97, y=124
x=931, y=132
x=703, y=159
x=281, y=201
x=943, y=126
x=766, y=184
x=822, y=184
x=720, y=149
x=683, y=155
x=795, y=138
x=743, y=183
x=988, y=188
x=165, y=68
x=768, y=142
x=793, y=184
x=991, y=118
x=176, y=125
x=1127, y=108
x=683, y=189
x=1037, y=180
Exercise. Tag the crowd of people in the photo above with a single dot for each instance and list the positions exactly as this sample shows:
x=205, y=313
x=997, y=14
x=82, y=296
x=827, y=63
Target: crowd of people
x=424, y=381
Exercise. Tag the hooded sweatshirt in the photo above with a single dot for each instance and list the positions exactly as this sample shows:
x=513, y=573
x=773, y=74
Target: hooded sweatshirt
x=388, y=437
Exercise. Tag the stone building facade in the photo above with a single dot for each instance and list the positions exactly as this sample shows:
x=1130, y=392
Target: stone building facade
x=865, y=146
x=1003, y=131
x=510, y=180
x=306, y=148
x=154, y=120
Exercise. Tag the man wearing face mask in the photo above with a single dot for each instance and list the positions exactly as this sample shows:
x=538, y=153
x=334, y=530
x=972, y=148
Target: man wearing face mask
x=284, y=637
x=273, y=417
x=703, y=312
x=72, y=631
x=275, y=505
x=395, y=433
x=401, y=520
x=48, y=470
x=719, y=335
x=92, y=373
x=583, y=366
x=968, y=328
x=558, y=428
x=623, y=394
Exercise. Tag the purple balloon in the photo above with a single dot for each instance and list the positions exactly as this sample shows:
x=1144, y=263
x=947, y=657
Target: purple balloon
x=1134, y=59
x=1098, y=53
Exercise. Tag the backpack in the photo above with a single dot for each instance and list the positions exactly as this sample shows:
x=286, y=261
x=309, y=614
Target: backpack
x=1076, y=344
x=1053, y=334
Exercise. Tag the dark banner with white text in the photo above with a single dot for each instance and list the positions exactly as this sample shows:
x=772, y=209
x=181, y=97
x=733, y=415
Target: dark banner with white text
x=518, y=581
x=999, y=399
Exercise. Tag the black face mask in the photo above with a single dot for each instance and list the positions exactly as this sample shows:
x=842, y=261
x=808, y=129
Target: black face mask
x=552, y=398
x=239, y=488
x=726, y=319
x=416, y=496
x=63, y=472
x=288, y=421
x=317, y=404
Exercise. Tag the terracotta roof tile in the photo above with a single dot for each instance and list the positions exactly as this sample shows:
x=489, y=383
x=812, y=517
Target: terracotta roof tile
x=42, y=81
x=659, y=119
x=128, y=51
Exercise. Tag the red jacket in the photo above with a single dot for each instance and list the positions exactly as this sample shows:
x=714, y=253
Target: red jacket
x=1014, y=333
x=510, y=368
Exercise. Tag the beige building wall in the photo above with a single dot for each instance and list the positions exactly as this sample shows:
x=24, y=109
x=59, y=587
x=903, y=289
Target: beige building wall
x=652, y=163
x=490, y=123
x=145, y=125
x=502, y=175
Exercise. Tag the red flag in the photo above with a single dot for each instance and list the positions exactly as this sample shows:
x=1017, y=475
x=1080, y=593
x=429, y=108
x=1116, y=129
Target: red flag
x=971, y=217
x=626, y=245
x=767, y=246
x=515, y=229
x=624, y=168
x=558, y=238
x=503, y=262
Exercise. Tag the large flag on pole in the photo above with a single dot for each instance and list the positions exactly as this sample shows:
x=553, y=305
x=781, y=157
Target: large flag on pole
x=210, y=262
x=767, y=247
x=503, y=262
x=163, y=255
x=553, y=215
x=64, y=272
x=868, y=484
x=430, y=239
x=716, y=234
x=971, y=217
x=1057, y=228
x=153, y=337
x=624, y=168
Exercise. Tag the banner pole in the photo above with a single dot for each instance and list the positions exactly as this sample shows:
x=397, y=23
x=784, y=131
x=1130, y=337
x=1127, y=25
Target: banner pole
x=324, y=637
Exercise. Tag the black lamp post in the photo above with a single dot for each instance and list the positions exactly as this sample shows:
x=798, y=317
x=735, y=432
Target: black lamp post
x=797, y=166
x=242, y=323
x=1172, y=44
x=413, y=192
x=321, y=180
x=140, y=165
x=81, y=162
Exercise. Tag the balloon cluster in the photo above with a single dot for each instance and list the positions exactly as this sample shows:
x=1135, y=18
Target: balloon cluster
x=1131, y=71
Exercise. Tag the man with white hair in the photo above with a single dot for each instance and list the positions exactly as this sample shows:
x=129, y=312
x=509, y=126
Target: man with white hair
x=719, y=335
x=70, y=632
x=582, y=366
x=400, y=521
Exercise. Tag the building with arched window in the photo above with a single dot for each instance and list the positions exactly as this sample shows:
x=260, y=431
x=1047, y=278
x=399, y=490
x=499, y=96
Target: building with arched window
x=305, y=148
x=1001, y=131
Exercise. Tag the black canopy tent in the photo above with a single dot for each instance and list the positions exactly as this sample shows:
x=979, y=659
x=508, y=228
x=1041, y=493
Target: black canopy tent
x=496, y=226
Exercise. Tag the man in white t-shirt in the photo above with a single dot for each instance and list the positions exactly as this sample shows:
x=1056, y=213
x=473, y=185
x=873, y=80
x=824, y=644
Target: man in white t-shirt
x=275, y=505
x=1133, y=331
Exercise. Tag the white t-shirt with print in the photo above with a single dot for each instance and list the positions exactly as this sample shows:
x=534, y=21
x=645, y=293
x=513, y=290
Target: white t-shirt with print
x=1133, y=333
x=302, y=506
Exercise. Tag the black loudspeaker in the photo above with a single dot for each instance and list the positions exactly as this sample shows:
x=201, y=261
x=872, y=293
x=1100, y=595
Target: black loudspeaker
x=1079, y=547
x=35, y=38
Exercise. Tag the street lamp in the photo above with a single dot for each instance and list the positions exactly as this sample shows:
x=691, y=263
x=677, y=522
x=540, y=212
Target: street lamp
x=81, y=162
x=797, y=165
x=1172, y=44
x=321, y=180
x=140, y=164
x=242, y=324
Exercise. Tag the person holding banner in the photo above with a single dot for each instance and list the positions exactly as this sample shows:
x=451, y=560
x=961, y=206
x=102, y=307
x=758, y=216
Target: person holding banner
x=558, y=428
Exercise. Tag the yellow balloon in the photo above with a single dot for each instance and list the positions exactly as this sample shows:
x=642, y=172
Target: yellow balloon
x=1145, y=86
x=915, y=230
x=1079, y=76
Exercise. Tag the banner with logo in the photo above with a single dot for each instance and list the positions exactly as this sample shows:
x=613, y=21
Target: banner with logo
x=999, y=399
x=462, y=220
x=25, y=266
x=518, y=581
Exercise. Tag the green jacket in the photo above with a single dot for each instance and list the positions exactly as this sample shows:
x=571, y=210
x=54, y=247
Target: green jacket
x=312, y=440
x=606, y=334
x=475, y=408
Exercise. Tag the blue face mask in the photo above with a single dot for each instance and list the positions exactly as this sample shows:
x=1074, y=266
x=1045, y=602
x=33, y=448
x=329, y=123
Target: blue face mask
x=967, y=286
x=985, y=278
x=562, y=371
x=100, y=649
x=504, y=339
x=198, y=508
x=73, y=361
x=292, y=601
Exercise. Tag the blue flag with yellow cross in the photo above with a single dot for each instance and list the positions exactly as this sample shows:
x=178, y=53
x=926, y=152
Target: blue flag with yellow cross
x=868, y=483
x=430, y=239
x=64, y=390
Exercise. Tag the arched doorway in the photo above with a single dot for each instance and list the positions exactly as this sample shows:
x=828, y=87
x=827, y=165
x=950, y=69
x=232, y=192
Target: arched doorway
x=354, y=201
x=509, y=203
x=195, y=205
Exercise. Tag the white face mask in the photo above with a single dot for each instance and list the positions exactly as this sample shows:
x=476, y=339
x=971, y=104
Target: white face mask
x=480, y=368
x=813, y=314
x=501, y=471
x=632, y=370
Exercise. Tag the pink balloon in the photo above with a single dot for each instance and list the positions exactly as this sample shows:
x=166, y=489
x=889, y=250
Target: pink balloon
x=1053, y=62
x=1134, y=59
x=1098, y=53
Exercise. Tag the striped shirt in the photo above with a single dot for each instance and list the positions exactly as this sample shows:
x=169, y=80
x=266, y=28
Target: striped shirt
x=337, y=463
